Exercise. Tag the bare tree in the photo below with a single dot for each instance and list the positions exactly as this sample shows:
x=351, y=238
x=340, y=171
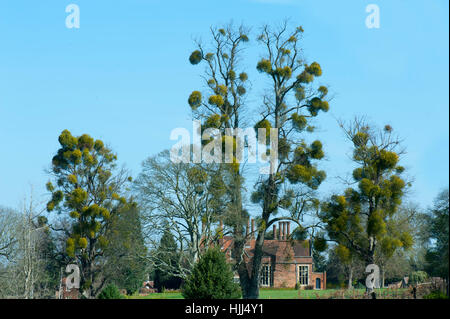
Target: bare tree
x=8, y=220
x=186, y=198
x=22, y=262
x=29, y=239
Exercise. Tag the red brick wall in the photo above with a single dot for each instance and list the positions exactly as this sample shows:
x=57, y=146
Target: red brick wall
x=285, y=275
x=70, y=294
x=322, y=277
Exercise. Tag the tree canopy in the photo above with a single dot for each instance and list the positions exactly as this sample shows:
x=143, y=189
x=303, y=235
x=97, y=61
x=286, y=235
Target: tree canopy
x=86, y=187
x=362, y=219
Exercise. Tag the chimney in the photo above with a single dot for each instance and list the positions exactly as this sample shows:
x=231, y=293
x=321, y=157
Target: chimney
x=253, y=228
x=221, y=226
x=274, y=232
x=247, y=230
x=288, y=229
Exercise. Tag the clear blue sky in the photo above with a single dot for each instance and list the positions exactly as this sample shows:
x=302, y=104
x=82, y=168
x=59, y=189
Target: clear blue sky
x=124, y=77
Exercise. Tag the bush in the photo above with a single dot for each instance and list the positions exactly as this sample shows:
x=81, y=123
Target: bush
x=211, y=278
x=437, y=294
x=417, y=277
x=110, y=292
x=360, y=285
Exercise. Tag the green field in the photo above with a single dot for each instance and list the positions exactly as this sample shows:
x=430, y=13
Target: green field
x=297, y=294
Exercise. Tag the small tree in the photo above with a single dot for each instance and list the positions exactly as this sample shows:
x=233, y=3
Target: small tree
x=211, y=278
x=125, y=265
x=167, y=255
x=110, y=292
x=437, y=255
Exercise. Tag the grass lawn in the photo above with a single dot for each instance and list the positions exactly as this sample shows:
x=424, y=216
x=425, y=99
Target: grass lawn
x=328, y=293
x=293, y=294
x=162, y=295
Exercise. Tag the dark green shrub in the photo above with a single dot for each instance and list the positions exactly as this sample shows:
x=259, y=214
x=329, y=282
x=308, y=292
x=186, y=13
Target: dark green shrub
x=110, y=292
x=359, y=285
x=211, y=278
x=437, y=294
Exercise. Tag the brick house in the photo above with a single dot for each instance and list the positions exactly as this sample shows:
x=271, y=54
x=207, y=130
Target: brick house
x=285, y=262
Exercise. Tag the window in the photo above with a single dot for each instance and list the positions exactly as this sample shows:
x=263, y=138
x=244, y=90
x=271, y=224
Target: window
x=266, y=275
x=303, y=275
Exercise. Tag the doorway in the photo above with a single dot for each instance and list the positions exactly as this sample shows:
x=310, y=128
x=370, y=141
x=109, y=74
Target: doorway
x=318, y=283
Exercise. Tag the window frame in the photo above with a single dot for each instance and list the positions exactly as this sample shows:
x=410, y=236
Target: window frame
x=300, y=274
x=266, y=276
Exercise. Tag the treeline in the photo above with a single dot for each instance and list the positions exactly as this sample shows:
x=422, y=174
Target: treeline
x=124, y=231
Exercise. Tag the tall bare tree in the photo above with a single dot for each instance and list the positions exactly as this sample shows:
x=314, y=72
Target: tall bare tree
x=26, y=264
x=183, y=198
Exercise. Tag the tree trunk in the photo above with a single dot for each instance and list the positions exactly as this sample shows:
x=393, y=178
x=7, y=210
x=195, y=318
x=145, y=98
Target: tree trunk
x=249, y=284
x=237, y=253
x=253, y=292
x=446, y=286
x=196, y=245
x=244, y=279
x=88, y=272
x=350, y=279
